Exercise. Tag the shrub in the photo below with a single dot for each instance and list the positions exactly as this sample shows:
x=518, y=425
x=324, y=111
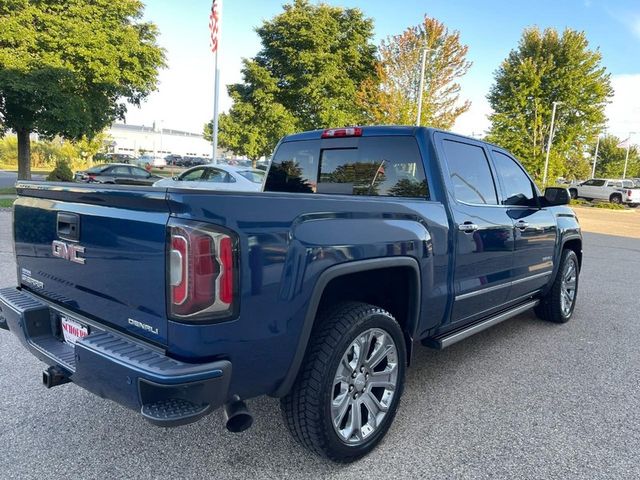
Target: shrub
x=61, y=172
x=579, y=201
x=610, y=206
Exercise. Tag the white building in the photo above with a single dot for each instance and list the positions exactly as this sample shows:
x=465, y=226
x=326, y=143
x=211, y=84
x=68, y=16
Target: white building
x=136, y=139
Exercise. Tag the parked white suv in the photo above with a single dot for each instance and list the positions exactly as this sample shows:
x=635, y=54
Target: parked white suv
x=156, y=161
x=608, y=189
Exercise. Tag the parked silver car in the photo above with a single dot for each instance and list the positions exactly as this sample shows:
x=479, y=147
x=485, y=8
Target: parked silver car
x=217, y=177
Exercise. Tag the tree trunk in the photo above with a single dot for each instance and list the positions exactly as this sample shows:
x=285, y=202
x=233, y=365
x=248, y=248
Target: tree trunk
x=24, y=154
x=254, y=162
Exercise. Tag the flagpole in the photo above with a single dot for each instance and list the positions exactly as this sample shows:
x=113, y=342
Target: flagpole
x=216, y=86
x=215, y=109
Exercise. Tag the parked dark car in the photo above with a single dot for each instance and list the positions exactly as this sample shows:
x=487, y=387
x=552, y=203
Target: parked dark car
x=117, y=173
x=366, y=243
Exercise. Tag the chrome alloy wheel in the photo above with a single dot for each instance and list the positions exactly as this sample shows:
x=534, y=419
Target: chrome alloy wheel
x=568, y=287
x=364, y=386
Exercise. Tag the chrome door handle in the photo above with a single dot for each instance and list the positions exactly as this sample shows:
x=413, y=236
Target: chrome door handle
x=522, y=225
x=468, y=227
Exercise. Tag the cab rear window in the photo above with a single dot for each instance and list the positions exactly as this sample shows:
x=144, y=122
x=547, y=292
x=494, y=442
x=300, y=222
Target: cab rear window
x=372, y=166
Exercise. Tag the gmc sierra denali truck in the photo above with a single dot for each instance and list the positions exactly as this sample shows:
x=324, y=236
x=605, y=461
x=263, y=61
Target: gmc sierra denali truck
x=365, y=242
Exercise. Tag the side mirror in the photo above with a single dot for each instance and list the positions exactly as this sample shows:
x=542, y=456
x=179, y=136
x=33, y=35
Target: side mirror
x=554, y=196
x=175, y=178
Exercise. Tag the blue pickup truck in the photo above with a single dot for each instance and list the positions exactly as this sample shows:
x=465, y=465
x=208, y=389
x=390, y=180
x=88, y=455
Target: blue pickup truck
x=365, y=242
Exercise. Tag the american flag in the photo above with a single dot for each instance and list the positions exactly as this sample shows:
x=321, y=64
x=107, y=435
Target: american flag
x=214, y=24
x=623, y=144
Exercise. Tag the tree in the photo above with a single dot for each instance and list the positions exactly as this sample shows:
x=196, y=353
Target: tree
x=392, y=97
x=312, y=62
x=68, y=66
x=611, y=159
x=549, y=67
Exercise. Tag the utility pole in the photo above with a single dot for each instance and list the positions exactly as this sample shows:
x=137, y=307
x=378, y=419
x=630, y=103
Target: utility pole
x=546, y=162
x=595, y=158
x=421, y=88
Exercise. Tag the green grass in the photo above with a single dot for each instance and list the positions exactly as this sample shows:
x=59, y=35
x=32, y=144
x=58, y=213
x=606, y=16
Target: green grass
x=6, y=202
x=8, y=191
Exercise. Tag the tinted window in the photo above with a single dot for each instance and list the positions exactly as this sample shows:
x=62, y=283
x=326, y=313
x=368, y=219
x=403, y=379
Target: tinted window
x=594, y=183
x=389, y=166
x=518, y=189
x=470, y=173
x=192, y=175
x=378, y=166
x=294, y=167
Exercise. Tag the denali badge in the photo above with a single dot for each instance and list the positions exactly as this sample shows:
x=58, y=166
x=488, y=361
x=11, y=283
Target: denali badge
x=143, y=326
x=68, y=251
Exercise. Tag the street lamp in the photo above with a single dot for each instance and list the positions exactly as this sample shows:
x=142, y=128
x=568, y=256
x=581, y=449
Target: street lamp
x=626, y=158
x=595, y=158
x=546, y=162
x=421, y=88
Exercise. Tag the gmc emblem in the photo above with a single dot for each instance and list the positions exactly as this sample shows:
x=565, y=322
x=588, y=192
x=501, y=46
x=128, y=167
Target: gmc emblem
x=68, y=251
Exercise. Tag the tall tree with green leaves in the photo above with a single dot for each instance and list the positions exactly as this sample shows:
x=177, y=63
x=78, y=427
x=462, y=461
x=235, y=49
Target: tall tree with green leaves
x=611, y=158
x=312, y=62
x=549, y=67
x=68, y=67
x=392, y=97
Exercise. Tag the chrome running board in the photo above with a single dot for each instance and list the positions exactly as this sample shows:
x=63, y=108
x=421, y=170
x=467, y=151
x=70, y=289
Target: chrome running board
x=450, y=338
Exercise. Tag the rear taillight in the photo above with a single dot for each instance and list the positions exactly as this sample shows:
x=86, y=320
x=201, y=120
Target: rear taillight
x=202, y=272
x=629, y=192
x=342, y=132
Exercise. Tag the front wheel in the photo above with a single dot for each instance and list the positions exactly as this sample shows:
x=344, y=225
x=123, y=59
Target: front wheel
x=573, y=193
x=348, y=389
x=558, y=304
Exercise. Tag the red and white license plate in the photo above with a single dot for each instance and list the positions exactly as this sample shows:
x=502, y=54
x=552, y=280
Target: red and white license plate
x=73, y=330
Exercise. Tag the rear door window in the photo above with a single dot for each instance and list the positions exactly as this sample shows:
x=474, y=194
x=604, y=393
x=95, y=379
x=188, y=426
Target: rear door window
x=121, y=171
x=470, y=173
x=214, y=175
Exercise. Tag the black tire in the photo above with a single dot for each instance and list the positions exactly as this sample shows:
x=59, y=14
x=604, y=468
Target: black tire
x=573, y=193
x=550, y=307
x=616, y=198
x=307, y=407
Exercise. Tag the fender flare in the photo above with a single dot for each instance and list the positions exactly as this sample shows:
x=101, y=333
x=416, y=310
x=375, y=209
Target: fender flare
x=324, y=279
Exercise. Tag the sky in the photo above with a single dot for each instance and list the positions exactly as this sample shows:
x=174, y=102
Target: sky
x=491, y=29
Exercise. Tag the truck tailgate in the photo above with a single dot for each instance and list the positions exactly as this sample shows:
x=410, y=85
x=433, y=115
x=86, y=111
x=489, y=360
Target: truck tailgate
x=96, y=251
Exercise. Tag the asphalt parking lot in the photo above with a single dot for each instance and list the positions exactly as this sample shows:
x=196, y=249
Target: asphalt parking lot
x=525, y=399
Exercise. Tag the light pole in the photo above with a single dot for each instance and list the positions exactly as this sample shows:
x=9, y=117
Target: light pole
x=546, y=162
x=595, y=158
x=626, y=158
x=421, y=88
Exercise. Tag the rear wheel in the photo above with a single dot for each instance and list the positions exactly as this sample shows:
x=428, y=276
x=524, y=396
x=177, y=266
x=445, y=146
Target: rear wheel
x=347, y=392
x=616, y=198
x=558, y=304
